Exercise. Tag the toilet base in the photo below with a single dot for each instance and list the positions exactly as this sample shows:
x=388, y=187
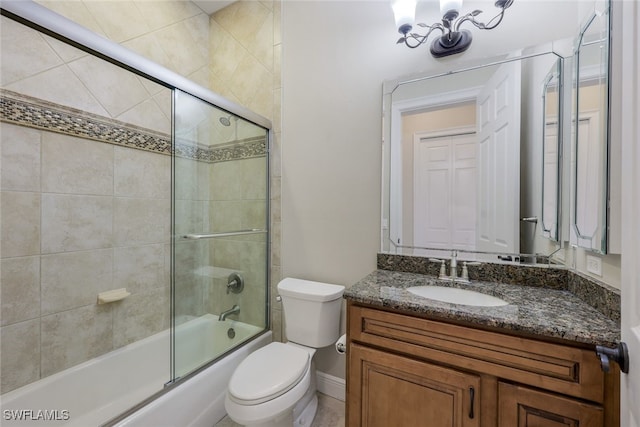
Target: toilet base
x=307, y=414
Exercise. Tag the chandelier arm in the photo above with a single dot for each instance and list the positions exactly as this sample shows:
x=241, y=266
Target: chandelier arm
x=471, y=18
x=420, y=39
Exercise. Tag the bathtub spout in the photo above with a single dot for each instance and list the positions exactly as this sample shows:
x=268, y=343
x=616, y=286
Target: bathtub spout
x=232, y=310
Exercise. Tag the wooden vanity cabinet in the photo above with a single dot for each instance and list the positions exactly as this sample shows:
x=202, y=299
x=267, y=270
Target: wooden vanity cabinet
x=407, y=371
x=399, y=391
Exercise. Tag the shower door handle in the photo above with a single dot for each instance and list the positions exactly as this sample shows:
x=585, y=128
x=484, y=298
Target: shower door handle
x=224, y=234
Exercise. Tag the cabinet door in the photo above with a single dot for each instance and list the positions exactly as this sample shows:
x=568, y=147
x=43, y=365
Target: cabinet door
x=389, y=390
x=523, y=407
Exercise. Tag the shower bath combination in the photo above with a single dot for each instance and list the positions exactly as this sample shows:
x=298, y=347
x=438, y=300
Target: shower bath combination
x=106, y=180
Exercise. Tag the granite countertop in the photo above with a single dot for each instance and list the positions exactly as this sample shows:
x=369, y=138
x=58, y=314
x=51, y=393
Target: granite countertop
x=538, y=311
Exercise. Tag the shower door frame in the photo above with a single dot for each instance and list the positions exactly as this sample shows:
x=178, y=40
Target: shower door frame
x=57, y=26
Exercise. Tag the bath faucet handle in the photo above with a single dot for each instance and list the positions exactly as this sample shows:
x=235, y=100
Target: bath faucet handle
x=465, y=270
x=235, y=283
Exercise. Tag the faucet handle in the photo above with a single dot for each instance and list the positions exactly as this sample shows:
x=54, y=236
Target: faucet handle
x=443, y=267
x=235, y=283
x=465, y=270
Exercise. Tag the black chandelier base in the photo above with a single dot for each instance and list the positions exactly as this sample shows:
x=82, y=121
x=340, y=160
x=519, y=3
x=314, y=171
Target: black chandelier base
x=451, y=44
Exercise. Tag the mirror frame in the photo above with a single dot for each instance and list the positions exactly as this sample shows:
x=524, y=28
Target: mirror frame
x=556, y=74
x=576, y=238
x=389, y=197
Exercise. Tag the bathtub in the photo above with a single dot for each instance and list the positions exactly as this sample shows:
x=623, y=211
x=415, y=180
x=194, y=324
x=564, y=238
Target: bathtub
x=95, y=391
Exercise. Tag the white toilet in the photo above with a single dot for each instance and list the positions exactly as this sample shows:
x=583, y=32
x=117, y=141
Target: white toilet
x=275, y=385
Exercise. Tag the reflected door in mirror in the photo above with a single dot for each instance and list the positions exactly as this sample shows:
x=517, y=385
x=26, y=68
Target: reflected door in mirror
x=445, y=190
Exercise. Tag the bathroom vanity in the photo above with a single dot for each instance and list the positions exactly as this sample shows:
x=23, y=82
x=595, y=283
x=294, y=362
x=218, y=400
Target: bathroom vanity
x=414, y=361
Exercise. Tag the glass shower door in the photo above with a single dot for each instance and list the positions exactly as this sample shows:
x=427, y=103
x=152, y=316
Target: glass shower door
x=220, y=239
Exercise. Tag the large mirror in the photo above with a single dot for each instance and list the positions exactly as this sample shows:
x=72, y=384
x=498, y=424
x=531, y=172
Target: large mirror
x=504, y=159
x=590, y=135
x=455, y=176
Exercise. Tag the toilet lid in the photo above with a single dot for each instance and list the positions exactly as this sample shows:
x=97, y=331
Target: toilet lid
x=268, y=373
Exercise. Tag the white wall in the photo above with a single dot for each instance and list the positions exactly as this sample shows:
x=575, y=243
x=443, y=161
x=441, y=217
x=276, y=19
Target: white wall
x=335, y=56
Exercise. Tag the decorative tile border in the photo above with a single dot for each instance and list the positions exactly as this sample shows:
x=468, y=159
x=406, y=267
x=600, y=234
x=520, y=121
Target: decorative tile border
x=599, y=295
x=36, y=113
x=245, y=149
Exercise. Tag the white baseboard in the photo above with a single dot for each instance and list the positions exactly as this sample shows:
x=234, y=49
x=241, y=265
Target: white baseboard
x=331, y=386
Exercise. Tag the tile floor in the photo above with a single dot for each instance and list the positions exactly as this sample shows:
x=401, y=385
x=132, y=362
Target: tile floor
x=330, y=414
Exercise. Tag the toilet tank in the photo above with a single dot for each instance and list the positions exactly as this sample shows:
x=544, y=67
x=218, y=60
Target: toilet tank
x=311, y=311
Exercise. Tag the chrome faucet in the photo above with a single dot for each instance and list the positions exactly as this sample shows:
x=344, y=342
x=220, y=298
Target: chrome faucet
x=453, y=266
x=453, y=269
x=232, y=310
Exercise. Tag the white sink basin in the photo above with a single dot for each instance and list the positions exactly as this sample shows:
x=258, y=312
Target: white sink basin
x=457, y=296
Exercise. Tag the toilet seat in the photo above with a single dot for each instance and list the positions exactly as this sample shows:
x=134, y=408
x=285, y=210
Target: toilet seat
x=268, y=373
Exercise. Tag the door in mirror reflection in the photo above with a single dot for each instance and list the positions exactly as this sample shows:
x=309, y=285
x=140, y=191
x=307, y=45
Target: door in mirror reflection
x=444, y=202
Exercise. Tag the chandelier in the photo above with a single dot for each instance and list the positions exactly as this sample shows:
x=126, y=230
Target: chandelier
x=453, y=40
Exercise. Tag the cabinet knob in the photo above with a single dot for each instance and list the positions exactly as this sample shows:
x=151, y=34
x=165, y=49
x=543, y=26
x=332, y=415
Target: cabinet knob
x=619, y=354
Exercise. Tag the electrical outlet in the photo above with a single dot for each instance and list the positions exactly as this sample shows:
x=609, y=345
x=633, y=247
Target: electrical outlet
x=594, y=265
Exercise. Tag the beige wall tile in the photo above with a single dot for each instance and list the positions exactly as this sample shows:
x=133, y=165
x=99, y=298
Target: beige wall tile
x=253, y=178
x=147, y=115
x=140, y=174
x=250, y=78
x=198, y=28
x=65, y=51
x=19, y=289
x=120, y=20
x=277, y=22
x=72, y=94
x=20, y=224
x=242, y=18
x=227, y=52
x=164, y=100
x=139, y=316
x=189, y=217
x=261, y=47
x=225, y=215
x=74, y=336
x=73, y=223
x=24, y=52
x=20, y=164
x=186, y=179
x=115, y=88
x=276, y=199
x=76, y=11
x=71, y=280
x=227, y=173
x=181, y=48
x=139, y=268
x=76, y=166
x=20, y=355
x=159, y=14
x=141, y=221
x=151, y=48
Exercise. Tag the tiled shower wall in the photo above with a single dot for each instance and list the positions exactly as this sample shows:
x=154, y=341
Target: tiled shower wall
x=236, y=52
x=86, y=202
x=172, y=34
x=79, y=217
x=246, y=47
x=246, y=50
